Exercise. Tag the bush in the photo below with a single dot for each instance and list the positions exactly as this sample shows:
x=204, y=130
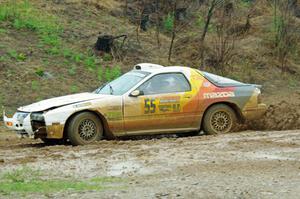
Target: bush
x=17, y=56
x=246, y=3
x=112, y=73
x=100, y=73
x=72, y=70
x=169, y=22
x=40, y=72
x=90, y=62
x=77, y=57
x=35, y=85
x=53, y=51
x=74, y=89
x=67, y=53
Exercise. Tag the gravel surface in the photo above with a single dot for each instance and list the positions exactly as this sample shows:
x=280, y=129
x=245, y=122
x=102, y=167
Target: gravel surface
x=250, y=164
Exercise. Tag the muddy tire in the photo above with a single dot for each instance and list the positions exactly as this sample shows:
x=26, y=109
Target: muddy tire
x=219, y=119
x=84, y=128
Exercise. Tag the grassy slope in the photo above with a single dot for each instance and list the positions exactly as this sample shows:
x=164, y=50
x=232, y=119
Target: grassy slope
x=23, y=53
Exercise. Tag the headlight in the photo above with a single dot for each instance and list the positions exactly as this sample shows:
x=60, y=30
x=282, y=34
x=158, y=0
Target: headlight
x=37, y=116
x=21, y=116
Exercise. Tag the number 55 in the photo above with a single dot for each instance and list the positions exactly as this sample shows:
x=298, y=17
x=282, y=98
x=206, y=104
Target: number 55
x=150, y=106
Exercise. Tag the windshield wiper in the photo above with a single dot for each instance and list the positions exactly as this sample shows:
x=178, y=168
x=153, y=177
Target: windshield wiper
x=111, y=89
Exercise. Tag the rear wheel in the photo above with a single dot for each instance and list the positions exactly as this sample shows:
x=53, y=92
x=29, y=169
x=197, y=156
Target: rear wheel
x=84, y=128
x=219, y=119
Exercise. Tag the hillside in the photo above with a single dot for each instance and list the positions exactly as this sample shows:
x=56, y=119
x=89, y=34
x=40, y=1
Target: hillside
x=51, y=48
x=47, y=48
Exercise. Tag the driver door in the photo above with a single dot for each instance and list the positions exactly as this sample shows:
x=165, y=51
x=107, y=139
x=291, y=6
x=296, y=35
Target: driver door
x=161, y=106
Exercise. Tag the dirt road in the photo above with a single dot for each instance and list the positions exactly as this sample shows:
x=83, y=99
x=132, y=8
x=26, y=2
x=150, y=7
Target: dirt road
x=238, y=165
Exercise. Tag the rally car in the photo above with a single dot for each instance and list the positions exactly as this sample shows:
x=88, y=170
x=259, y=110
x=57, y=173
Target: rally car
x=150, y=99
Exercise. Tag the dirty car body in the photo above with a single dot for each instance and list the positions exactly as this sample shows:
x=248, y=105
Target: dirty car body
x=150, y=99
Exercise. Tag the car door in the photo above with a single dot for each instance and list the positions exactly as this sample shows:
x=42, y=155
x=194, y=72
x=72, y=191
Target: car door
x=162, y=106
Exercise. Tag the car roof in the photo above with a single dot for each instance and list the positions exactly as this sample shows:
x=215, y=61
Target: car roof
x=155, y=68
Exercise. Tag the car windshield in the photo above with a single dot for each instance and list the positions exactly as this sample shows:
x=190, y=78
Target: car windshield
x=122, y=84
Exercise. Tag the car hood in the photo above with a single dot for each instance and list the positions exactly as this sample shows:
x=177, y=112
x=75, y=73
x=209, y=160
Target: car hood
x=60, y=101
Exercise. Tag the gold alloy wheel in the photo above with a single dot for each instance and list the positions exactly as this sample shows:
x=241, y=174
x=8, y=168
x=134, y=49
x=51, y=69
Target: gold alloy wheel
x=221, y=121
x=87, y=129
x=219, y=118
x=84, y=128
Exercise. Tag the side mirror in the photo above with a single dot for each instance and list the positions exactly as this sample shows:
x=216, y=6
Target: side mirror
x=136, y=93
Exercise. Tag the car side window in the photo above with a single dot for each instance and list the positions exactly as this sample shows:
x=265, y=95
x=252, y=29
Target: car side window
x=165, y=83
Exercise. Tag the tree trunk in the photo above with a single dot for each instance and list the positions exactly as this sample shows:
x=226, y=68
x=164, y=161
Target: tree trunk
x=205, y=30
x=140, y=20
x=208, y=18
x=157, y=23
x=171, y=45
x=173, y=32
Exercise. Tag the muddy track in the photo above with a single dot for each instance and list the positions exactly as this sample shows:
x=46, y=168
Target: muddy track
x=248, y=164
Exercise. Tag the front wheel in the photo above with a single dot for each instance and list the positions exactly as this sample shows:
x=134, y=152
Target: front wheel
x=84, y=128
x=219, y=119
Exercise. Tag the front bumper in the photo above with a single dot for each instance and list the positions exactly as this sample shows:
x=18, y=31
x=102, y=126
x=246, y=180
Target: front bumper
x=20, y=122
x=33, y=125
x=255, y=113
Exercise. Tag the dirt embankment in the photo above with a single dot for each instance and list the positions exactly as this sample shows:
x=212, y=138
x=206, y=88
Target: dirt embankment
x=279, y=116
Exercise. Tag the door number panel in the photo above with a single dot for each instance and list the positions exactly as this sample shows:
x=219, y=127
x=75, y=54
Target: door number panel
x=161, y=105
x=150, y=105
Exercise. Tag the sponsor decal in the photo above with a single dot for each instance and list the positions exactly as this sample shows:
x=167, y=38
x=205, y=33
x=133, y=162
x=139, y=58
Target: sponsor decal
x=114, y=115
x=162, y=105
x=213, y=95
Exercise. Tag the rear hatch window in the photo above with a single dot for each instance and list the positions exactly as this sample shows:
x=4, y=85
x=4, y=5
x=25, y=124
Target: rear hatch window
x=221, y=81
